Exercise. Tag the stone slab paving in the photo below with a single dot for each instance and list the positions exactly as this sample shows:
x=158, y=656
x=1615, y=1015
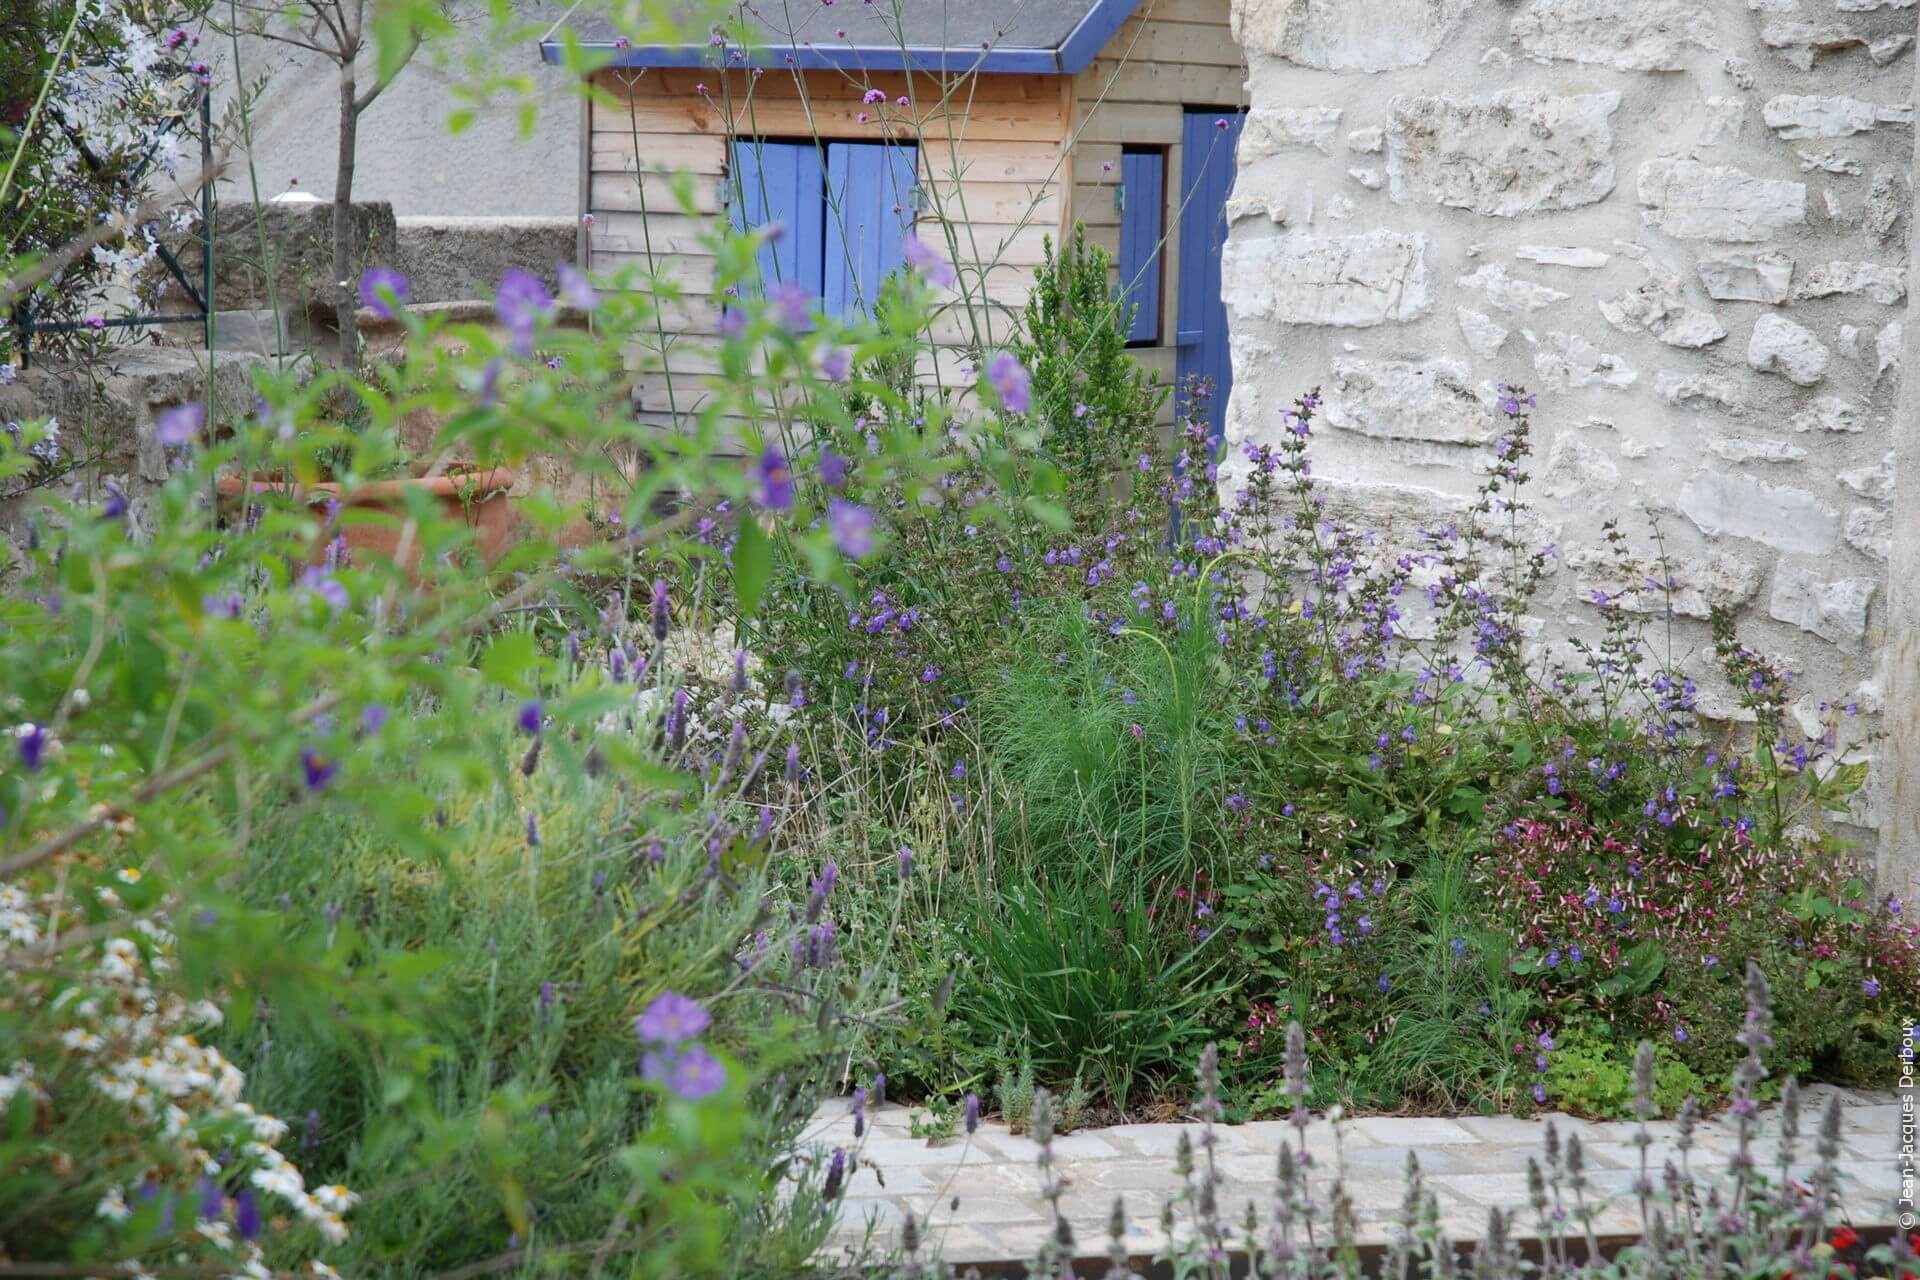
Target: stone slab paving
x=980, y=1197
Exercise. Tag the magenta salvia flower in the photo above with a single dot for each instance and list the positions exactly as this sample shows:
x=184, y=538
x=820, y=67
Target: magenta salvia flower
x=576, y=288
x=672, y=1019
x=177, y=427
x=521, y=302
x=922, y=258
x=776, y=480
x=852, y=527
x=383, y=291
x=1011, y=382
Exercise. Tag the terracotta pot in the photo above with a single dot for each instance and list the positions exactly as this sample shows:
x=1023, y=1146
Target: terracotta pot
x=478, y=498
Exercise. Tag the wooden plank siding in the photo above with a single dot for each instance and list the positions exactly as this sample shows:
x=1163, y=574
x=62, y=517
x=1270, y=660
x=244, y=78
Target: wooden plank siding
x=1005, y=161
x=1171, y=55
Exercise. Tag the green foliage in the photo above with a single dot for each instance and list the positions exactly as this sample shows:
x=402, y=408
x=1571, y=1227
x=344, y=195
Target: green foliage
x=1592, y=1075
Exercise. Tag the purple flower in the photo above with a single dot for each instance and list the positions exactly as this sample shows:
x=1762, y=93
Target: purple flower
x=533, y=830
x=836, y=365
x=246, y=1214
x=327, y=587
x=832, y=468
x=1680, y=1032
x=1870, y=986
x=906, y=862
x=115, y=503
x=317, y=772
x=1540, y=1093
x=576, y=288
x=1459, y=946
x=33, y=745
x=691, y=1074
x=795, y=306
x=532, y=715
x=852, y=527
x=973, y=1113
x=672, y=1019
x=1385, y=984
x=937, y=270
x=660, y=611
x=1011, y=382
x=177, y=427
x=382, y=291
x=776, y=480
x=521, y=303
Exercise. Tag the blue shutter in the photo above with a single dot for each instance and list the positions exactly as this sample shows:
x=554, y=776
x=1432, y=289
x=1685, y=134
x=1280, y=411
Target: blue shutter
x=1206, y=176
x=869, y=208
x=1143, y=205
x=781, y=182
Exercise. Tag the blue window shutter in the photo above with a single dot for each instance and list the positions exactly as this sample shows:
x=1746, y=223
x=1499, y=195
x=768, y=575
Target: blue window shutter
x=781, y=182
x=1143, y=182
x=869, y=208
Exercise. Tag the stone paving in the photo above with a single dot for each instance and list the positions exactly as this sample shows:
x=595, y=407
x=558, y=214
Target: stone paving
x=1471, y=1163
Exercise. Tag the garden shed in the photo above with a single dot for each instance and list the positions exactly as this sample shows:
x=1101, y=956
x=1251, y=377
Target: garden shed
x=1007, y=120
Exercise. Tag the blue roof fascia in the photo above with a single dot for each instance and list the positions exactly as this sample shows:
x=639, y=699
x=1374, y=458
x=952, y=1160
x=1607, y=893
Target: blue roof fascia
x=1084, y=43
x=811, y=57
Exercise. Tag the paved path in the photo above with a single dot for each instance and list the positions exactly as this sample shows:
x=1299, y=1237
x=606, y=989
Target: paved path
x=1471, y=1163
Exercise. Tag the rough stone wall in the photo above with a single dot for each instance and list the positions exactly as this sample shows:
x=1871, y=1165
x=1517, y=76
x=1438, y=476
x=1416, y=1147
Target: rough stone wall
x=1683, y=223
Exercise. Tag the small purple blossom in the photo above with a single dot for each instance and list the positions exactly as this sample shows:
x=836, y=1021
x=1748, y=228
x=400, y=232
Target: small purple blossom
x=922, y=258
x=852, y=527
x=318, y=773
x=383, y=290
x=671, y=1020
x=1011, y=382
x=576, y=288
x=177, y=427
x=775, y=479
x=521, y=302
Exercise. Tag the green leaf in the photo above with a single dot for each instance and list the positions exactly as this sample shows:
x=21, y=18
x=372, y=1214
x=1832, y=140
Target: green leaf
x=752, y=567
x=510, y=659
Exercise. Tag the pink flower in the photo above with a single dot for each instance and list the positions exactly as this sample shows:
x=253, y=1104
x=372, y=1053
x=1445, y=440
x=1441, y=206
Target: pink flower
x=872, y=96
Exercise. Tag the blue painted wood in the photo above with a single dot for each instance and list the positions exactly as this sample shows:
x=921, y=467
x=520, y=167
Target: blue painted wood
x=781, y=182
x=1142, y=218
x=869, y=208
x=1206, y=176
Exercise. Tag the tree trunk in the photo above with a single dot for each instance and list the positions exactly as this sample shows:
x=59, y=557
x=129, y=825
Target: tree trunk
x=343, y=222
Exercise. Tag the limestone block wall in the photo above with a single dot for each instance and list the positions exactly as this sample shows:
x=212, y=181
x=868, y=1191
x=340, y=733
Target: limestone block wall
x=1683, y=223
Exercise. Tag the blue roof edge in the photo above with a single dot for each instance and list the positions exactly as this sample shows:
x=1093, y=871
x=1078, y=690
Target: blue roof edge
x=1084, y=43
x=1076, y=52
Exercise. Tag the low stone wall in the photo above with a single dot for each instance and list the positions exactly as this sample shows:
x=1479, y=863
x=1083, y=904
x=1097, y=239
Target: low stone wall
x=1683, y=222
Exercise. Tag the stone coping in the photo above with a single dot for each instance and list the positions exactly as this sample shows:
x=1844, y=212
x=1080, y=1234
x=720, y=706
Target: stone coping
x=1471, y=1163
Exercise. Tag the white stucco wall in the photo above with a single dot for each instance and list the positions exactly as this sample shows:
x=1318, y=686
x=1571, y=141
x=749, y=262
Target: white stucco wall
x=406, y=153
x=1683, y=223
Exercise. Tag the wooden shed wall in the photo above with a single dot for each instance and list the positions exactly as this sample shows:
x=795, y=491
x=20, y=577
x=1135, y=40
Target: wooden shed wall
x=1171, y=55
x=992, y=159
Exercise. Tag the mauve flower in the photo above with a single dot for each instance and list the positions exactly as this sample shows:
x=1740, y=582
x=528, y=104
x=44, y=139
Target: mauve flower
x=1870, y=986
x=833, y=469
x=691, y=1074
x=906, y=862
x=973, y=1113
x=671, y=1019
x=922, y=258
x=521, y=302
x=532, y=715
x=382, y=291
x=661, y=616
x=852, y=527
x=795, y=306
x=1540, y=1093
x=177, y=427
x=115, y=503
x=1011, y=382
x=776, y=480
x=317, y=772
x=836, y=364
x=576, y=288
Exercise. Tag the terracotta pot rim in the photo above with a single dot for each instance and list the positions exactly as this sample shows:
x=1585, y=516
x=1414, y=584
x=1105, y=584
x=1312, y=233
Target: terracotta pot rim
x=454, y=485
